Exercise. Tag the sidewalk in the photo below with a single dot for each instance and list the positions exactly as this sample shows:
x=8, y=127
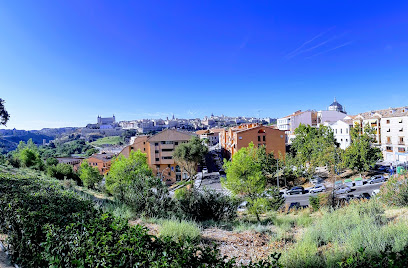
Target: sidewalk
x=4, y=261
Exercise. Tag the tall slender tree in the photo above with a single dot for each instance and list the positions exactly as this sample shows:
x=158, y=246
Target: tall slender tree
x=4, y=115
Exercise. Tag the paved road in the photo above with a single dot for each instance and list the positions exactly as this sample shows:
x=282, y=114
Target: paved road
x=303, y=199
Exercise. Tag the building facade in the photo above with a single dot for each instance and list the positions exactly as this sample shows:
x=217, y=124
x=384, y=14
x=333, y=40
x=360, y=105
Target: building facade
x=235, y=138
x=341, y=130
x=101, y=161
x=159, y=150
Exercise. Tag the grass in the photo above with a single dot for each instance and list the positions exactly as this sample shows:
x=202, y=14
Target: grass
x=342, y=232
x=112, y=140
x=180, y=230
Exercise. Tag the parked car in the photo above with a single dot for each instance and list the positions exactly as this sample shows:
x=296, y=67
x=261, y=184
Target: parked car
x=294, y=205
x=342, y=189
x=296, y=190
x=205, y=170
x=376, y=179
x=242, y=207
x=364, y=196
x=316, y=180
x=318, y=188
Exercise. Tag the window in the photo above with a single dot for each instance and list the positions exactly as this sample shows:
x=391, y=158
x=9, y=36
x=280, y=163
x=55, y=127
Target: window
x=388, y=148
x=168, y=165
x=157, y=159
x=401, y=149
x=240, y=138
x=167, y=157
x=144, y=149
x=263, y=138
x=131, y=148
x=156, y=151
x=167, y=150
x=341, y=131
x=336, y=130
x=169, y=173
x=178, y=177
x=388, y=139
x=401, y=141
x=144, y=142
x=176, y=143
x=156, y=144
x=167, y=142
x=259, y=138
x=346, y=130
x=346, y=140
x=388, y=121
x=341, y=140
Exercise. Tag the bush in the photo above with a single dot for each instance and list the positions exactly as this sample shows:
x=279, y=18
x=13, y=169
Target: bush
x=147, y=196
x=49, y=227
x=206, y=205
x=395, y=191
x=314, y=202
x=342, y=232
x=180, y=230
x=89, y=175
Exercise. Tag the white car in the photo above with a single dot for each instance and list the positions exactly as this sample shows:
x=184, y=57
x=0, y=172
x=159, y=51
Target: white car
x=316, y=180
x=205, y=170
x=375, y=192
x=318, y=188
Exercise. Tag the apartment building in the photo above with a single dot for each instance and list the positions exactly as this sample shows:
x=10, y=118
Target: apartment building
x=101, y=161
x=235, y=138
x=75, y=162
x=213, y=135
x=394, y=138
x=159, y=149
x=341, y=130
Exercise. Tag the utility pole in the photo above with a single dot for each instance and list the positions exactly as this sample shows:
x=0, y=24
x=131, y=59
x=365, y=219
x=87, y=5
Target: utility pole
x=277, y=173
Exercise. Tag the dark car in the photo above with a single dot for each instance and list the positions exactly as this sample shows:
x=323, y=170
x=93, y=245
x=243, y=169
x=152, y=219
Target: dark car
x=296, y=190
x=364, y=196
x=294, y=205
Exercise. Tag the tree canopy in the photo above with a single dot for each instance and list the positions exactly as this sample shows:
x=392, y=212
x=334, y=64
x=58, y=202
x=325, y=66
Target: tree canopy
x=4, y=115
x=89, y=175
x=361, y=155
x=124, y=171
x=189, y=155
x=247, y=177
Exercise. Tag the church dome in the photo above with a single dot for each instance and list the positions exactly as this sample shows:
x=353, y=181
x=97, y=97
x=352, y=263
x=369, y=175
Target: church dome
x=335, y=106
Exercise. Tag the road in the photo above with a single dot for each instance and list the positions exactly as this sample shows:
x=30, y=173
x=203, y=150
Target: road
x=303, y=199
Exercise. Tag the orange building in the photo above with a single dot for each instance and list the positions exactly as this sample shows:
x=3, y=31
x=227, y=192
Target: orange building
x=159, y=150
x=101, y=161
x=235, y=138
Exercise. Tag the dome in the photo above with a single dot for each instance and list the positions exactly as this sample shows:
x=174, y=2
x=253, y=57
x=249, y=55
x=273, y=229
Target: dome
x=335, y=106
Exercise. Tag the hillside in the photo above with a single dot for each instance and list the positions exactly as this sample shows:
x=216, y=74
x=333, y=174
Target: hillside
x=113, y=140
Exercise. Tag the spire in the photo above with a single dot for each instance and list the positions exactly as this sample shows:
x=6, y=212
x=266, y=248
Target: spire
x=335, y=99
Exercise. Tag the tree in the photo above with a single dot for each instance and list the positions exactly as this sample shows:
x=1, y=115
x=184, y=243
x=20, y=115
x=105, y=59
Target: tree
x=246, y=177
x=4, y=115
x=314, y=147
x=89, y=175
x=189, y=155
x=124, y=171
x=361, y=155
x=27, y=155
x=61, y=171
x=51, y=161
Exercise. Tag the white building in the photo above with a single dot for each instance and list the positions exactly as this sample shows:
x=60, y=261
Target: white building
x=341, y=130
x=394, y=136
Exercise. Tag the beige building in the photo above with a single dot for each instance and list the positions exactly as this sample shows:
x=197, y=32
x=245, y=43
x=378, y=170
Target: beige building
x=159, y=149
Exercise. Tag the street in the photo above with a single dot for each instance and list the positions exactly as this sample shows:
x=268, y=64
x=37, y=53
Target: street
x=303, y=199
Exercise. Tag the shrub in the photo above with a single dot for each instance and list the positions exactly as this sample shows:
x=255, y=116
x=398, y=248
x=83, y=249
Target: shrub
x=147, y=196
x=395, y=191
x=207, y=205
x=89, y=175
x=180, y=230
x=314, y=202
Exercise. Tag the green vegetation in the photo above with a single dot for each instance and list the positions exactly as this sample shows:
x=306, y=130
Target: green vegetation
x=124, y=171
x=66, y=149
x=4, y=115
x=112, y=140
x=89, y=175
x=189, y=155
x=246, y=177
x=48, y=226
x=180, y=230
x=360, y=155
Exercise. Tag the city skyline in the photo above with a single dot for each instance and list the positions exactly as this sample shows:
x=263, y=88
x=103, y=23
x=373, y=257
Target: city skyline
x=65, y=63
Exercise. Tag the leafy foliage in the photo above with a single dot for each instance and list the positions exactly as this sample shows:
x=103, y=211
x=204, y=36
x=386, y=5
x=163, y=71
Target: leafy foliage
x=124, y=171
x=246, y=176
x=4, y=115
x=89, y=175
x=189, y=155
x=395, y=191
x=360, y=155
x=205, y=205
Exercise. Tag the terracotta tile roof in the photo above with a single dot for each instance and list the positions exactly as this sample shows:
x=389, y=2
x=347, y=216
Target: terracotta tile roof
x=294, y=114
x=103, y=157
x=171, y=135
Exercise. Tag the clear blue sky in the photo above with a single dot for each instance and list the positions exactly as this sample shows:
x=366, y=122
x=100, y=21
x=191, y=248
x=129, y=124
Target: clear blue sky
x=62, y=63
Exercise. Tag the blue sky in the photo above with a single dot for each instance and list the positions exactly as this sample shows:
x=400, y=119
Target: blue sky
x=63, y=63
